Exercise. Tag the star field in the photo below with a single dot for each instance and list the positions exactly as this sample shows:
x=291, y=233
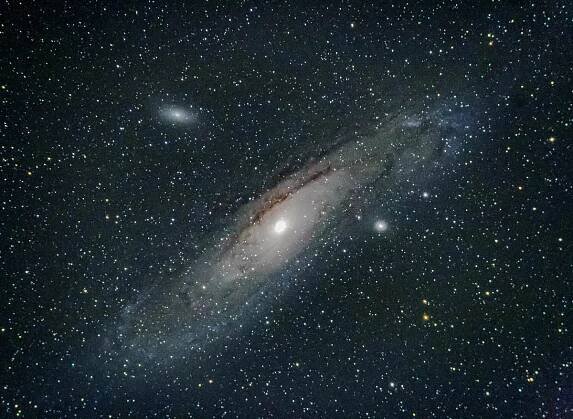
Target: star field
x=331, y=209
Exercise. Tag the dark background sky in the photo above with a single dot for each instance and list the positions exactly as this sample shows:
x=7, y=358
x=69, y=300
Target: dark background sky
x=462, y=309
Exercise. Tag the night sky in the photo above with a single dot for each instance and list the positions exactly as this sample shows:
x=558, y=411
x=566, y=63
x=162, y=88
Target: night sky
x=286, y=209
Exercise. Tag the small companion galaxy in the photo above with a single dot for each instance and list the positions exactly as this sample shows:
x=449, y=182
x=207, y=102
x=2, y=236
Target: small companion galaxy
x=294, y=210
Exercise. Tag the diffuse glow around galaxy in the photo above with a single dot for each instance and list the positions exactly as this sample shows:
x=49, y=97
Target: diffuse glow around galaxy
x=268, y=234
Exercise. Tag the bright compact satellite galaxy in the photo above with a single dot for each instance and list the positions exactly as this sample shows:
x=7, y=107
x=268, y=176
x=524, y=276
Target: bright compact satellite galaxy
x=286, y=209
